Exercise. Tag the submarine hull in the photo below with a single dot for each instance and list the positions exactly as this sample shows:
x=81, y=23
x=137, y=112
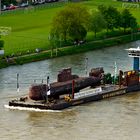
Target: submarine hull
x=38, y=92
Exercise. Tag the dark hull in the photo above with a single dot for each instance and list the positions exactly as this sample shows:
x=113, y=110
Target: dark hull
x=62, y=104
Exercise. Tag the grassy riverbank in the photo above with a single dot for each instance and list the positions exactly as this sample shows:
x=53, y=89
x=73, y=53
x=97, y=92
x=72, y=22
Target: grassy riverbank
x=30, y=26
x=69, y=50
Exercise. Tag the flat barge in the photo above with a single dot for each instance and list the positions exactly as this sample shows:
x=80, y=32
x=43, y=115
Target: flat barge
x=80, y=98
x=71, y=90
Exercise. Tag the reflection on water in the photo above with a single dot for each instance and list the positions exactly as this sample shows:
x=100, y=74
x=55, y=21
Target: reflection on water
x=110, y=119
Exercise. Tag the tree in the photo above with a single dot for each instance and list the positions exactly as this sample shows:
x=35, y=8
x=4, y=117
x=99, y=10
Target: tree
x=111, y=15
x=115, y=17
x=97, y=22
x=127, y=20
x=71, y=22
x=133, y=23
x=77, y=32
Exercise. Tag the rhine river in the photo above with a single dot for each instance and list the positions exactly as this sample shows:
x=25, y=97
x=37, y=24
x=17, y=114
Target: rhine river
x=115, y=118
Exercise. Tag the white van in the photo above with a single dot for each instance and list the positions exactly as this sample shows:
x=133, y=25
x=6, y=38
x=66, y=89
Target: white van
x=1, y=52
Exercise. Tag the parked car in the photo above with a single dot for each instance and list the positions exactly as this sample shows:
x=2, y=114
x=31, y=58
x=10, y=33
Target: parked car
x=12, y=7
x=36, y=2
x=41, y=1
x=24, y=5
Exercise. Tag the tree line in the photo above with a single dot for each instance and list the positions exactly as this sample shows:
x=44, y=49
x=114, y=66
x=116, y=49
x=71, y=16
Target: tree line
x=75, y=21
x=8, y=2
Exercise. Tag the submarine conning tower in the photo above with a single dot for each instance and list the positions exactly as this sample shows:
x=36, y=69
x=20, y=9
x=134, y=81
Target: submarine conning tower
x=135, y=53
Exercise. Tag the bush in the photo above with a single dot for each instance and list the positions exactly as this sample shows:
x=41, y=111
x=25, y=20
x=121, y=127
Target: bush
x=1, y=43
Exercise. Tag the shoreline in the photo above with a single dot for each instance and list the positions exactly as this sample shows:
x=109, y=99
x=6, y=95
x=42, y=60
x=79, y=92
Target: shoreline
x=69, y=50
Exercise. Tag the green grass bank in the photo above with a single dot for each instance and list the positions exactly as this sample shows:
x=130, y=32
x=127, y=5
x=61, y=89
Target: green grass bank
x=30, y=26
x=70, y=50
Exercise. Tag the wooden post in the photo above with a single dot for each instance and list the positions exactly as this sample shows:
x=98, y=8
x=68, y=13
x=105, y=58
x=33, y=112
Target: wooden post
x=48, y=80
x=17, y=82
x=86, y=65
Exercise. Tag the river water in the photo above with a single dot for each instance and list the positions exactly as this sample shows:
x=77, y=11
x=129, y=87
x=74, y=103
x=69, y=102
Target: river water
x=116, y=118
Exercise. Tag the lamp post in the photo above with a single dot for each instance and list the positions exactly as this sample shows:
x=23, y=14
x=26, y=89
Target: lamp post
x=55, y=43
x=50, y=39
